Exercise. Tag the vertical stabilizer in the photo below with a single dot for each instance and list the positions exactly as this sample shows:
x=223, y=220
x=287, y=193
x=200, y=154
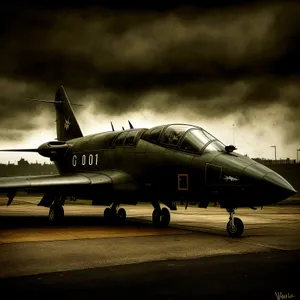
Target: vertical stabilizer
x=66, y=124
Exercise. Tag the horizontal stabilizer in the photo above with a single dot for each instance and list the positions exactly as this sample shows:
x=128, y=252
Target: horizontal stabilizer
x=49, y=149
x=20, y=150
x=54, y=102
x=44, y=152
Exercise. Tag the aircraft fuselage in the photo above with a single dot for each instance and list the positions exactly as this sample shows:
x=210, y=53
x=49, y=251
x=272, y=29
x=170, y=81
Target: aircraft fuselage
x=170, y=174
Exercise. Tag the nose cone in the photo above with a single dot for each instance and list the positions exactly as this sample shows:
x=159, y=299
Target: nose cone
x=255, y=183
x=268, y=186
x=281, y=189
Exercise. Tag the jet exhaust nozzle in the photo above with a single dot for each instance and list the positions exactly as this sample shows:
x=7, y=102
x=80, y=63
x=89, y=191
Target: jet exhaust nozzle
x=52, y=149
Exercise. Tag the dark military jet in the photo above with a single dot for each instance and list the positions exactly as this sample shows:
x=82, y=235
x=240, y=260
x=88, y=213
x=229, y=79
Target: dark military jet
x=164, y=164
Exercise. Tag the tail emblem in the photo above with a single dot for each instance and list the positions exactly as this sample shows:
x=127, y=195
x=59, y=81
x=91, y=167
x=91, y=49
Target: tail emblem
x=67, y=124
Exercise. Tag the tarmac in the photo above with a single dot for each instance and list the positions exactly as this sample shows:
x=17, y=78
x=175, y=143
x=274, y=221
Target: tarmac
x=192, y=259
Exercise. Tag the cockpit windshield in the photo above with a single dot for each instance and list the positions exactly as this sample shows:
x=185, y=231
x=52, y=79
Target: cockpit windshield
x=173, y=134
x=215, y=145
x=196, y=139
x=187, y=138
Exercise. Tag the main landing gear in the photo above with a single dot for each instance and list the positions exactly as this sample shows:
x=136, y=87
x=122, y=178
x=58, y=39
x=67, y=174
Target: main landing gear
x=235, y=226
x=113, y=212
x=56, y=213
x=160, y=217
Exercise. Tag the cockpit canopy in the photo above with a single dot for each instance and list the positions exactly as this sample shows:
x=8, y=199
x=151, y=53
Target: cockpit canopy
x=187, y=138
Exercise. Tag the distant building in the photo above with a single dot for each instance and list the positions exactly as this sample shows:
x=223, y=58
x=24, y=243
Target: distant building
x=23, y=163
x=23, y=167
x=280, y=161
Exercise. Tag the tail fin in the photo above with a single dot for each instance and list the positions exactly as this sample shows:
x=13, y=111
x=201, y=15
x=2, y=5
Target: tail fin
x=66, y=124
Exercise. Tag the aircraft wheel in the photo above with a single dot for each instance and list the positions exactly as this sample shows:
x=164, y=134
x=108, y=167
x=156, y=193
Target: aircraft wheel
x=60, y=211
x=165, y=217
x=156, y=217
x=56, y=213
x=107, y=213
x=236, y=229
x=121, y=214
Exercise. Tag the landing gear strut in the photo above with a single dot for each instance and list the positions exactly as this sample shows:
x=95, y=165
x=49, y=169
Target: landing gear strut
x=235, y=226
x=113, y=212
x=160, y=217
x=56, y=213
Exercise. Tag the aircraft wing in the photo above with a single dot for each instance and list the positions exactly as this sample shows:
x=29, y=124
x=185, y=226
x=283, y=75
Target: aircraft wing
x=116, y=180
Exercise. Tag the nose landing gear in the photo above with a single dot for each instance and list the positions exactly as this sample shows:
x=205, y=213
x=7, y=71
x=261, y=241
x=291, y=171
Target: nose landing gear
x=235, y=226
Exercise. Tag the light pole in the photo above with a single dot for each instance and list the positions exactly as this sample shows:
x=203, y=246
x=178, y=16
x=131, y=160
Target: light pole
x=297, y=155
x=275, y=150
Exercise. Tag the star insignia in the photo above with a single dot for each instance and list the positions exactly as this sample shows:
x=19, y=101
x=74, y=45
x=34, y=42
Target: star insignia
x=67, y=124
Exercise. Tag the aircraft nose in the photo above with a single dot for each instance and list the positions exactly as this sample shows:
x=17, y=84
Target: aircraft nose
x=280, y=187
x=271, y=186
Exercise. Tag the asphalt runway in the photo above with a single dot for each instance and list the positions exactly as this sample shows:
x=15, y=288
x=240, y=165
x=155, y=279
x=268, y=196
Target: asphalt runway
x=192, y=259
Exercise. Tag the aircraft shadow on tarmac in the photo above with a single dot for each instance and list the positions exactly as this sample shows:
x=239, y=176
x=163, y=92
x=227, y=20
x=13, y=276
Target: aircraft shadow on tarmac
x=69, y=221
x=76, y=222
x=92, y=221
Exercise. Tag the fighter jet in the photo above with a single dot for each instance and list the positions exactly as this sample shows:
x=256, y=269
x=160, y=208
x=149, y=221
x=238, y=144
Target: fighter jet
x=162, y=165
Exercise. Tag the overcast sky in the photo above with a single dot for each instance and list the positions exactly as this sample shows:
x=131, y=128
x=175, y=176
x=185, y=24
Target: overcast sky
x=211, y=65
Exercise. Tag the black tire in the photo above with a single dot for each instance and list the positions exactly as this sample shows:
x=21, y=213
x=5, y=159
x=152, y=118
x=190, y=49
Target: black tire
x=107, y=213
x=60, y=212
x=165, y=217
x=238, y=229
x=52, y=214
x=156, y=217
x=122, y=214
x=56, y=213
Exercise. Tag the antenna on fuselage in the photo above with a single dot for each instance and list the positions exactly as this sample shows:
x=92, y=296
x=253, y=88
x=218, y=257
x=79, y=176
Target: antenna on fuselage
x=123, y=127
x=112, y=126
x=130, y=125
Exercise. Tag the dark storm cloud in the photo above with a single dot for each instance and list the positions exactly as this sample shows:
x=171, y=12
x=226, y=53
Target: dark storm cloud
x=18, y=115
x=215, y=60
